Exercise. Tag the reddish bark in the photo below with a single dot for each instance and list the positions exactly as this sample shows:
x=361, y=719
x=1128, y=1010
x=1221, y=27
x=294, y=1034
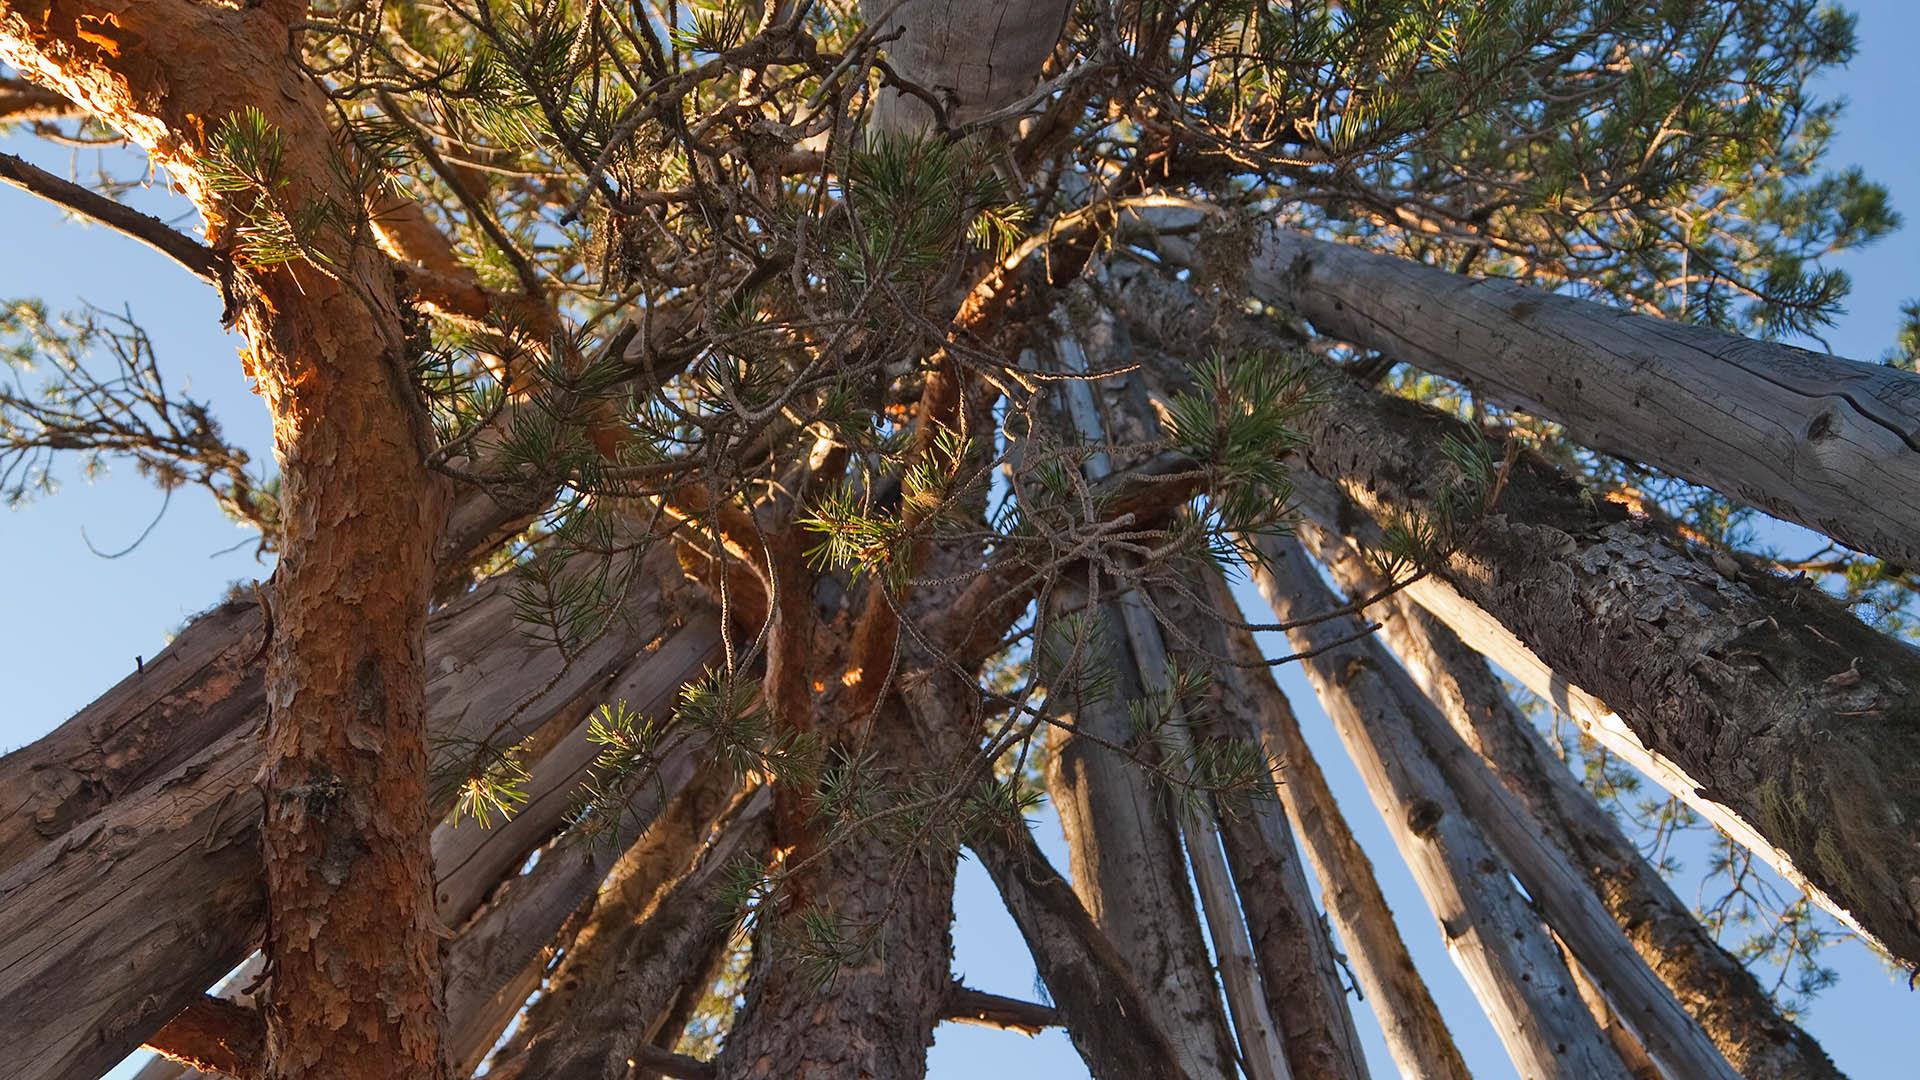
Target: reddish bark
x=353, y=953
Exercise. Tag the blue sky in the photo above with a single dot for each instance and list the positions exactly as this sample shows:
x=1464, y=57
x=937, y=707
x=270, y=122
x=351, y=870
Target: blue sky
x=76, y=622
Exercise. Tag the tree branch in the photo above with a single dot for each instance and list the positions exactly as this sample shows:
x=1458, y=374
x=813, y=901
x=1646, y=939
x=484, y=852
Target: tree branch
x=969, y=1006
x=205, y=262
x=217, y=1036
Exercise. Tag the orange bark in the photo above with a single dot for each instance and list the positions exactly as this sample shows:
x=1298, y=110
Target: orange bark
x=354, y=958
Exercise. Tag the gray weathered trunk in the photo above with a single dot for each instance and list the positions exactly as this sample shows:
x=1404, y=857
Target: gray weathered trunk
x=973, y=58
x=1126, y=860
x=648, y=934
x=1714, y=987
x=1833, y=444
x=1776, y=703
x=1296, y=959
x=1497, y=940
x=147, y=903
x=1561, y=893
x=1416, y=1034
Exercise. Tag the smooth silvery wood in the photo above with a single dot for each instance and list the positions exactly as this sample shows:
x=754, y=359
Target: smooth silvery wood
x=499, y=957
x=974, y=57
x=1773, y=701
x=1830, y=443
x=147, y=903
x=1260, y=1049
x=1416, y=1035
x=1261, y=1052
x=1496, y=939
x=1127, y=857
x=1561, y=893
x=1126, y=860
x=1714, y=987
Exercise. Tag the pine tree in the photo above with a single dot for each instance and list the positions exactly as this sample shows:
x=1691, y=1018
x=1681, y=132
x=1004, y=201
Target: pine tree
x=734, y=460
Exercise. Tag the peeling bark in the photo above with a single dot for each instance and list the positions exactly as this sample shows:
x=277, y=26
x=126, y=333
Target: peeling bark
x=1493, y=935
x=351, y=943
x=1714, y=987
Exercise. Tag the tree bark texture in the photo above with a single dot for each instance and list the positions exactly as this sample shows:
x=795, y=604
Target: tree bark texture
x=1562, y=895
x=1416, y=1035
x=972, y=58
x=1127, y=864
x=876, y=1018
x=351, y=944
x=146, y=904
x=204, y=684
x=1776, y=702
x=651, y=928
x=1499, y=943
x=1833, y=444
x=1714, y=987
x=1099, y=1000
x=1290, y=942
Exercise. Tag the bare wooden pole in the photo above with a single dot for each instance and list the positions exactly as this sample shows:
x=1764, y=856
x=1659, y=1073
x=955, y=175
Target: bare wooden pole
x=1495, y=938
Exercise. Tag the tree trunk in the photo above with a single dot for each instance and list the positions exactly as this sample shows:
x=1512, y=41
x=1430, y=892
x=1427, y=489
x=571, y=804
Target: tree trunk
x=203, y=685
x=891, y=903
x=1261, y=1053
x=1776, y=702
x=973, y=58
x=1290, y=943
x=1830, y=443
x=1105, y=1014
x=1497, y=940
x=1126, y=860
x=1562, y=894
x=351, y=945
x=1416, y=1034
x=624, y=969
x=152, y=900
x=1715, y=988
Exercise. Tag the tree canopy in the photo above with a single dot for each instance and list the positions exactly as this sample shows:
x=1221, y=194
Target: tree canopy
x=745, y=455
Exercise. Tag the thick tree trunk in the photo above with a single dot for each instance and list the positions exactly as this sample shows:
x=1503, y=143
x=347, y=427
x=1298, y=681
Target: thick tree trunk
x=1416, y=1034
x=1776, y=702
x=972, y=58
x=352, y=951
x=1830, y=443
x=891, y=899
x=1497, y=940
x=1106, y=1015
x=1715, y=988
x=149, y=902
x=1561, y=893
